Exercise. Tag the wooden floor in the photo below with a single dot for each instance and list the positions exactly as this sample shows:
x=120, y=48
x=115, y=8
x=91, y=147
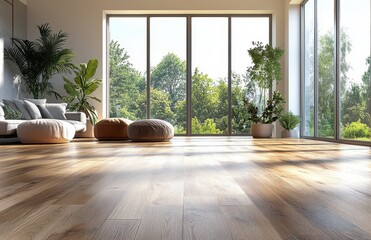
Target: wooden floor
x=191, y=188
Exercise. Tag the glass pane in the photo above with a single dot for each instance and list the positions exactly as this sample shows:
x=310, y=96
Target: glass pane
x=127, y=53
x=308, y=118
x=355, y=70
x=326, y=69
x=168, y=70
x=245, y=30
x=210, y=75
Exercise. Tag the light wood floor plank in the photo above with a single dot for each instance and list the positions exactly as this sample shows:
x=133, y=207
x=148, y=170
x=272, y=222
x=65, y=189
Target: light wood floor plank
x=190, y=188
x=118, y=230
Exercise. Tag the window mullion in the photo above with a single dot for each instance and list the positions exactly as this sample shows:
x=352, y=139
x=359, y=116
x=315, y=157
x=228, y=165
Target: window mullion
x=148, y=107
x=315, y=68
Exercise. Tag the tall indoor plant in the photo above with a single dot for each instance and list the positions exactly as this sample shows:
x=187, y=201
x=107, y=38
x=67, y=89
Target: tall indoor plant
x=79, y=90
x=39, y=60
x=265, y=70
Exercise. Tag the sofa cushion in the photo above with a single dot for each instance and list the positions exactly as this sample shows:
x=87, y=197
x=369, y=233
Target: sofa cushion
x=76, y=116
x=79, y=126
x=57, y=110
x=11, y=104
x=10, y=113
x=44, y=112
x=9, y=127
x=37, y=101
x=21, y=105
x=33, y=110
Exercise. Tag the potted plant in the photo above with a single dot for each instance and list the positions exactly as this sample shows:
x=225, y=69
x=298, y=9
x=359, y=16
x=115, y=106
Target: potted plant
x=39, y=60
x=265, y=70
x=80, y=90
x=289, y=122
x=262, y=123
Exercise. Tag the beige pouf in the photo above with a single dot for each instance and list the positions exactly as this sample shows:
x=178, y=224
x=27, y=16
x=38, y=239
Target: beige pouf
x=112, y=129
x=45, y=131
x=151, y=130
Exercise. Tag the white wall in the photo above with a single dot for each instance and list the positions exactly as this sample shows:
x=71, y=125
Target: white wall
x=84, y=21
x=8, y=85
x=293, y=79
x=290, y=86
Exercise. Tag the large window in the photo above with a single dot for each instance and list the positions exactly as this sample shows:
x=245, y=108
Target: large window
x=241, y=85
x=336, y=69
x=188, y=70
x=127, y=79
x=168, y=70
x=209, y=75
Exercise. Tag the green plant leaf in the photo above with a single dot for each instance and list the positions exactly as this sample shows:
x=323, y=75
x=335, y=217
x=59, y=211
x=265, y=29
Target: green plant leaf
x=91, y=68
x=78, y=80
x=94, y=98
x=70, y=87
x=91, y=87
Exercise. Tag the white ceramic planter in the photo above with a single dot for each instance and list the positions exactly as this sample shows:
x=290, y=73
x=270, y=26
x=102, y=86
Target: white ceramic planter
x=260, y=130
x=289, y=133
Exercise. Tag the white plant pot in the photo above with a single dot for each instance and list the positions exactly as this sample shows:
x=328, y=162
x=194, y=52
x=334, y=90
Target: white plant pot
x=89, y=132
x=260, y=130
x=289, y=133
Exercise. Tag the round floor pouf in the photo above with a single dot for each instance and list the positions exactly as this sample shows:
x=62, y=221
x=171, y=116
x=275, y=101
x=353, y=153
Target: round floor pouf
x=45, y=131
x=151, y=130
x=112, y=129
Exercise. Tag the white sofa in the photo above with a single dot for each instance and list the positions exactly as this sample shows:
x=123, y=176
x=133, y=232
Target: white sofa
x=8, y=127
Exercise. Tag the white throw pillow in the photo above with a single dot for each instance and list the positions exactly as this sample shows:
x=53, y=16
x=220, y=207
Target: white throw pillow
x=41, y=102
x=57, y=110
x=33, y=110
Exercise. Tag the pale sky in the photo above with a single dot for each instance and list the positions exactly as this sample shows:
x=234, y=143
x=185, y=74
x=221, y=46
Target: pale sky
x=209, y=41
x=355, y=20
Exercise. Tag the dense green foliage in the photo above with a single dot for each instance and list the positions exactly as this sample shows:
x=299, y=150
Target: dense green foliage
x=128, y=95
x=266, y=66
x=80, y=89
x=272, y=111
x=289, y=121
x=356, y=130
x=127, y=86
x=39, y=60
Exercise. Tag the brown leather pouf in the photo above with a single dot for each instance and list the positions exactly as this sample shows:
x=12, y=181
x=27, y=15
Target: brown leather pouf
x=154, y=130
x=112, y=129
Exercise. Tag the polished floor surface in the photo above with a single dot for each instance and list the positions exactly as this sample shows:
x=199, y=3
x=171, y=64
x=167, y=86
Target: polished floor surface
x=190, y=188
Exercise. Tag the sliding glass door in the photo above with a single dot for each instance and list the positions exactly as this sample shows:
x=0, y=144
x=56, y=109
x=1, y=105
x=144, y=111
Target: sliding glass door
x=243, y=32
x=336, y=61
x=355, y=99
x=168, y=48
x=127, y=68
x=209, y=75
x=188, y=70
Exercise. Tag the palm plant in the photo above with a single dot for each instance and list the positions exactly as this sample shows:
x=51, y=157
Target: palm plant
x=81, y=87
x=39, y=60
x=289, y=121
